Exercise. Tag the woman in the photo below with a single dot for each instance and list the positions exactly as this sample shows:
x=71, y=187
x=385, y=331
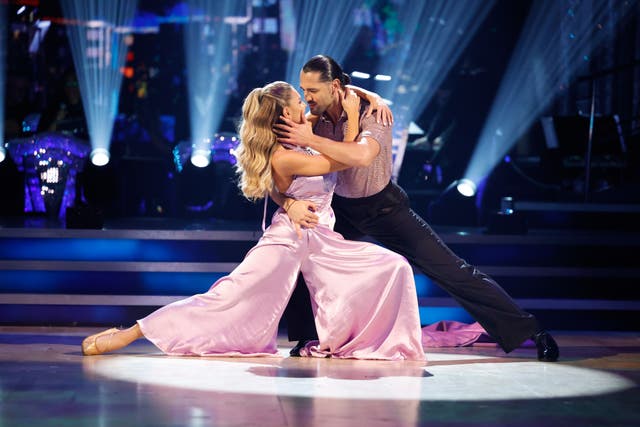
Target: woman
x=239, y=314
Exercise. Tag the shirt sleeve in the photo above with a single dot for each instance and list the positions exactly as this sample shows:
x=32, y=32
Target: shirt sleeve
x=377, y=131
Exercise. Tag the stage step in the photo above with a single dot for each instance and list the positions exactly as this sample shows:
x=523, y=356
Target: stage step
x=59, y=277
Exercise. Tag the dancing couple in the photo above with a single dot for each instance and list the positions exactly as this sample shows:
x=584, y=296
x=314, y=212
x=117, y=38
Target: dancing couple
x=358, y=298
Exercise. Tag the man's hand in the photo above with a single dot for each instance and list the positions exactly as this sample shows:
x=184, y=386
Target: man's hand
x=383, y=112
x=294, y=133
x=302, y=215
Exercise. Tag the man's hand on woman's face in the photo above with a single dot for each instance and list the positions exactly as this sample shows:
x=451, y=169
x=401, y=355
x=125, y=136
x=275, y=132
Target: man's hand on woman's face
x=290, y=132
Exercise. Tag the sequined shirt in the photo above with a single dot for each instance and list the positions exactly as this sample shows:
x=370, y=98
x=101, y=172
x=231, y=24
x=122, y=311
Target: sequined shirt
x=360, y=181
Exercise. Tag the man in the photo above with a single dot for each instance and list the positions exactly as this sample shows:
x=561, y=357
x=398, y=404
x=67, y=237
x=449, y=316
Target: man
x=368, y=203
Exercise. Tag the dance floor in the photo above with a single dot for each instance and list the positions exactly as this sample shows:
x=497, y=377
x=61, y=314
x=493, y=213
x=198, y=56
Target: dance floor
x=45, y=381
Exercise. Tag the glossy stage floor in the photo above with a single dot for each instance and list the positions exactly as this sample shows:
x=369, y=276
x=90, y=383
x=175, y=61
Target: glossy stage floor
x=45, y=381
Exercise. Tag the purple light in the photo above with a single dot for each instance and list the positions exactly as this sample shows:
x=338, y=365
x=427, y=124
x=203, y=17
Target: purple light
x=50, y=162
x=222, y=148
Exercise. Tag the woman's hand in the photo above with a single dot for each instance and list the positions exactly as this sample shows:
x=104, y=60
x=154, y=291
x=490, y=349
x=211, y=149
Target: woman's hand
x=376, y=103
x=350, y=103
x=383, y=112
x=301, y=213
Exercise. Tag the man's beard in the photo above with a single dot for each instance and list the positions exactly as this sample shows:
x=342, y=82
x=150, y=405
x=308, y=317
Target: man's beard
x=317, y=110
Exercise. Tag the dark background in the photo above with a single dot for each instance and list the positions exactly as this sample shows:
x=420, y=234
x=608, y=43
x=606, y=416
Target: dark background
x=142, y=180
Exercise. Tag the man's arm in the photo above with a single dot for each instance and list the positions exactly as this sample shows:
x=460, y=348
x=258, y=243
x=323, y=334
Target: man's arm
x=352, y=153
x=300, y=212
x=376, y=103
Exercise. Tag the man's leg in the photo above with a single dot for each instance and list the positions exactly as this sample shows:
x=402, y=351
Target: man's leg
x=392, y=223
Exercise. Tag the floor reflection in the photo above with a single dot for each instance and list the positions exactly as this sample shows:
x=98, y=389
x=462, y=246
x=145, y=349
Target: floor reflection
x=44, y=381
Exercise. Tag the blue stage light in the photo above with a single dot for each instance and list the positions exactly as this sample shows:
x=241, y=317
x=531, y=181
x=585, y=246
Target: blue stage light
x=466, y=187
x=360, y=75
x=201, y=157
x=100, y=156
x=554, y=44
x=321, y=27
x=211, y=74
x=97, y=31
x=430, y=38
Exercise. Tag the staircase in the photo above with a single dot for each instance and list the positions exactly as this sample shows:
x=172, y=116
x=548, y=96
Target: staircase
x=61, y=277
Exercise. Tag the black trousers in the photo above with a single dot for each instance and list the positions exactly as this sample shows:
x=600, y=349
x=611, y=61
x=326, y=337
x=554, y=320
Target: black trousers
x=388, y=218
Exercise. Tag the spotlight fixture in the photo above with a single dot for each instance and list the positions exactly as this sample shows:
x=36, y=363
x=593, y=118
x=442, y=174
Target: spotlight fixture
x=100, y=156
x=466, y=187
x=201, y=158
x=3, y=155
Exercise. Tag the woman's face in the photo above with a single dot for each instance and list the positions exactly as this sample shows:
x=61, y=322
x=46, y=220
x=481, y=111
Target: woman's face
x=296, y=107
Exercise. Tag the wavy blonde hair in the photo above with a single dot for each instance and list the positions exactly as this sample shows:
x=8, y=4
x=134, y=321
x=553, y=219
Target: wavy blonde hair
x=261, y=110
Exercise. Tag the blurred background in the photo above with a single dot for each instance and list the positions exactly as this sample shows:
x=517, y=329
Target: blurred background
x=123, y=109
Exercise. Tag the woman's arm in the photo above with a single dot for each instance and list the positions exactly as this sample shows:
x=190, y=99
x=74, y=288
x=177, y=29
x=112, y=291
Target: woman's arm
x=302, y=212
x=289, y=163
x=383, y=112
x=351, y=105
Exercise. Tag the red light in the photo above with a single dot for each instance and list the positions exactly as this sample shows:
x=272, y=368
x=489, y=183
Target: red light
x=127, y=71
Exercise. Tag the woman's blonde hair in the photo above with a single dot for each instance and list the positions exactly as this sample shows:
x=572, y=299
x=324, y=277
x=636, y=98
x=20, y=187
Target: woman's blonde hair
x=261, y=110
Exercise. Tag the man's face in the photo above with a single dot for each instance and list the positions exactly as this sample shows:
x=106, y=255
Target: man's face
x=319, y=95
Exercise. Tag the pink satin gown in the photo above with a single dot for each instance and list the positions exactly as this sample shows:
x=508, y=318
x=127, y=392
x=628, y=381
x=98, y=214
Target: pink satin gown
x=363, y=295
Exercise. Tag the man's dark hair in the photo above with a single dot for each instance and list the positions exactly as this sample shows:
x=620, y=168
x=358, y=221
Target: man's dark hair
x=328, y=68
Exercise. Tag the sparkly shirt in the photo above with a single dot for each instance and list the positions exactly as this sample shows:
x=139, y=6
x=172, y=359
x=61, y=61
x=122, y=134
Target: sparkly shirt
x=360, y=181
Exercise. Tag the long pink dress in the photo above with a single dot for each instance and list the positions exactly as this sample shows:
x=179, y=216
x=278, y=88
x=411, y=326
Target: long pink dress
x=363, y=295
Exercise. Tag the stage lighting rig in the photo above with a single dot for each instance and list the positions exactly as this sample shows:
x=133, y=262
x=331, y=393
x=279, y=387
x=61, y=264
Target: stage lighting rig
x=466, y=187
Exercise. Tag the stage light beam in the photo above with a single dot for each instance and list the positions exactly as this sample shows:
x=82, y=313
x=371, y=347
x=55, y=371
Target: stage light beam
x=210, y=74
x=96, y=31
x=431, y=36
x=556, y=41
x=321, y=27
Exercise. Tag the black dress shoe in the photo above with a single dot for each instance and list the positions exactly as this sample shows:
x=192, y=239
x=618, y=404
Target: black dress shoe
x=547, y=348
x=295, y=351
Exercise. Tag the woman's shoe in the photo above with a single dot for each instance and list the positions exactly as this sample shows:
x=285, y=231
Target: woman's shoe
x=90, y=344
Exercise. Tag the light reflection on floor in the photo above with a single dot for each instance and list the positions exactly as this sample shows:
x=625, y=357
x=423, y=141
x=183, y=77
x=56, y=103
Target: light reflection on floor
x=348, y=379
x=45, y=381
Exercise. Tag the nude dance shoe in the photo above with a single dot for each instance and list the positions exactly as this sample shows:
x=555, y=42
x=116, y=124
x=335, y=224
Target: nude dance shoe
x=90, y=344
